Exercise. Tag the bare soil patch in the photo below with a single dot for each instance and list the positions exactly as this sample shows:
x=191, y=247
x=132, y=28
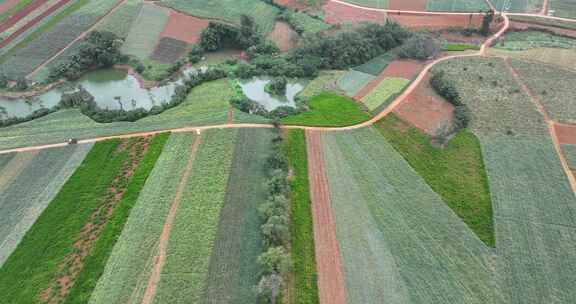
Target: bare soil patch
x=331, y=284
x=435, y=22
x=184, y=27
x=8, y=4
x=566, y=133
x=284, y=36
x=336, y=13
x=408, y=5
x=426, y=110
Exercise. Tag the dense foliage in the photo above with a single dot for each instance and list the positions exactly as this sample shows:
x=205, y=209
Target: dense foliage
x=421, y=47
x=447, y=89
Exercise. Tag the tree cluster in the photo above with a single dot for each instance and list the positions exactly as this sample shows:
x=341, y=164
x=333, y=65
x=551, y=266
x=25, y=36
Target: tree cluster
x=447, y=89
x=420, y=46
x=277, y=86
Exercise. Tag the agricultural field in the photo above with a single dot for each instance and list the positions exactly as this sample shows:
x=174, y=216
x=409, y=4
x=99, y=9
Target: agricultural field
x=120, y=21
x=384, y=93
x=169, y=50
x=544, y=22
x=553, y=86
x=326, y=81
x=228, y=10
x=564, y=8
x=145, y=31
x=570, y=154
x=30, y=180
x=370, y=3
x=561, y=58
x=518, y=6
x=353, y=81
x=525, y=40
x=375, y=66
x=307, y=23
x=457, y=5
x=398, y=240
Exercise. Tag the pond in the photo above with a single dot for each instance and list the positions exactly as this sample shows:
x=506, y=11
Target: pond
x=254, y=89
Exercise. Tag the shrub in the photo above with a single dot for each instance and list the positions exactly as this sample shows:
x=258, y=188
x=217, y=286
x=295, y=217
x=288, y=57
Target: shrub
x=420, y=46
x=277, y=86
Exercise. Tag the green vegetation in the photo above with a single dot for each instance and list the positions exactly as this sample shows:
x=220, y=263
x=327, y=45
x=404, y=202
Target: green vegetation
x=305, y=289
x=303, y=23
x=329, y=110
x=564, y=8
x=128, y=267
x=353, y=81
x=96, y=262
x=524, y=40
x=570, y=154
x=28, y=183
x=120, y=22
x=17, y=7
x=459, y=47
x=145, y=30
x=456, y=172
x=456, y=5
x=544, y=21
x=398, y=240
x=40, y=253
x=375, y=66
x=385, y=92
x=370, y=3
x=518, y=6
x=325, y=81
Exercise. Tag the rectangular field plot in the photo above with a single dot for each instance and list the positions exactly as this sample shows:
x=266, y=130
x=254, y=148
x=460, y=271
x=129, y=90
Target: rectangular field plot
x=457, y=5
x=28, y=182
x=398, y=239
x=518, y=6
x=143, y=36
x=564, y=8
x=353, y=81
x=120, y=21
x=370, y=3
x=169, y=50
x=570, y=154
x=375, y=66
x=386, y=90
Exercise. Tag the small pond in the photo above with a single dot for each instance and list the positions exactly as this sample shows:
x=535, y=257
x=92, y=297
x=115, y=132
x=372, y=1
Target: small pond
x=254, y=89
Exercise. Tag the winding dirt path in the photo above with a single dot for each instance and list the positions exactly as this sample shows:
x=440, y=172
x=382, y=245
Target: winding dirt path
x=331, y=284
x=154, y=279
x=544, y=10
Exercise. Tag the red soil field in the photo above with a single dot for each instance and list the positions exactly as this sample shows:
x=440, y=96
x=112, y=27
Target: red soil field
x=398, y=68
x=336, y=13
x=426, y=111
x=331, y=286
x=521, y=26
x=20, y=14
x=295, y=4
x=8, y=4
x=184, y=27
x=435, y=22
x=283, y=36
x=566, y=133
x=408, y=5
x=32, y=22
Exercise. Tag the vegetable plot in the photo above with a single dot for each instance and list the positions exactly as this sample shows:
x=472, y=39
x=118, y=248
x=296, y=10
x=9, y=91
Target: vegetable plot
x=385, y=92
x=145, y=32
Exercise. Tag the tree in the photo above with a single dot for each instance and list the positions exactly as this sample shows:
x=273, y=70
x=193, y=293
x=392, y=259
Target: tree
x=269, y=287
x=277, y=86
x=249, y=34
x=274, y=260
x=420, y=46
x=486, y=21
x=3, y=81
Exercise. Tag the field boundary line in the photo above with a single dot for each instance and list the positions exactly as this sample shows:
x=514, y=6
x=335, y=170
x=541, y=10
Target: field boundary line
x=154, y=279
x=331, y=282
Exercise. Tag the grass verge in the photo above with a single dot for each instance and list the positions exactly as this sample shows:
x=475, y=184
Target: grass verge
x=302, y=251
x=455, y=172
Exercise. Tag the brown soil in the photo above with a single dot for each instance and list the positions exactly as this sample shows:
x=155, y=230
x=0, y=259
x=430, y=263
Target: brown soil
x=154, y=279
x=336, y=13
x=331, y=285
x=425, y=110
x=13, y=19
x=435, y=22
x=184, y=27
x=230, y=118
x=73, y=263
x=407, y=5
x=284, y=36
x=566, y=133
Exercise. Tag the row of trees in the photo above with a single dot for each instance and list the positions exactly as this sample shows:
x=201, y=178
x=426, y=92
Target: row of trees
x=447, y=89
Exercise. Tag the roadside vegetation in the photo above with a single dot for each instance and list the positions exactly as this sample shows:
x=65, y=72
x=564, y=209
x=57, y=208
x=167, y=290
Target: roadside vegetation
x=456, y=172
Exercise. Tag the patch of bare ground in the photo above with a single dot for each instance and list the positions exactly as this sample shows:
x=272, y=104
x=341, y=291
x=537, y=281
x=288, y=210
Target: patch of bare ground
x=73, y=263
x=331, y=286
x=284, y=36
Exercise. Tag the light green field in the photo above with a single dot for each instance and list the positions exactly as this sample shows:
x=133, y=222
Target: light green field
x=457, y=5
x=353, y=81
x=325, y=81
x=145, y=31
x=517, y=41
x=370, y=3
x=121, y=20
x=386, y=90
x=564, y=8
x=518, y=6
x=398, y=239
x=570, y=154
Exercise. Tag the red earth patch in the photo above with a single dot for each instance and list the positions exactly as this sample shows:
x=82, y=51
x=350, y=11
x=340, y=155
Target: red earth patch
x=425, y=110
x=283, y=36
x=408, y=5
x=336, y=13
x=435, y=22
x=8, y=4
x=566, y=133
x=184, y=27
x=407, y=69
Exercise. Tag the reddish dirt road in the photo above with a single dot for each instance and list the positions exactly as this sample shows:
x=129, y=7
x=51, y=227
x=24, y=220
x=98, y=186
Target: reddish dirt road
x=331, y=285
x=150, y=292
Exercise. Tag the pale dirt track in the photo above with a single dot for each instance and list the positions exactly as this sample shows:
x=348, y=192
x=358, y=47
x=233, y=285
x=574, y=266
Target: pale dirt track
x=331, y=285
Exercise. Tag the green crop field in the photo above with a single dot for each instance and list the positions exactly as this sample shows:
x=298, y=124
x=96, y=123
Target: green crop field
x=326, y=81
x=398, y=239
x=518, y=6
x=233, y=271
x=385, y=92
x=544, y=21
x=375, y=66
x=370, y=3
x=309, y=24
x=207, y=104
x=20, y=5
x=120, y=21
x=305, y=289
x=145, y=31
x=570, y=154
x=457, y=5
x=329, y=110
x=525, y=40
x=353, y=81
x=553, y=86
x=564, y=8
x=228, y=10
x=30, y=180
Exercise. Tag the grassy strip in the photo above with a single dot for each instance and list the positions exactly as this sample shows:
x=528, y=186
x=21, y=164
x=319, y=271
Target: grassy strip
x=16, y=8
x=459, y=47
x=329, y=110
x=95, y=263
x=302, y=251
x=456, y=172
x=32, y=265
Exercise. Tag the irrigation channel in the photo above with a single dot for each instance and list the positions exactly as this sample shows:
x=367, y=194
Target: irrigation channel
x=115, y=89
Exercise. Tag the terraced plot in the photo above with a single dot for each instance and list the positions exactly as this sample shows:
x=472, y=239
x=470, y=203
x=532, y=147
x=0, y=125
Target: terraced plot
x=375, y=66
x=570, y=153
x=398, y=239
x=370, y=3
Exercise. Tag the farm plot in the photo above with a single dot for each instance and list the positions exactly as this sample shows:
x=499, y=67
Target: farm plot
x=207, y=104
x=32, y=180
x=564, y=8
x=18, y=24
x=308, y=24
x=497, y=104
x=384, y=93
x=518, y=6
x=284, y=36
x=6, y=6
x=398, y=239
x=375, y=66
x=524, y=40
x=169, y=50
x=553, y=86
x=130, y=263
x=412, y=5
x=145, y=32
x=566, y=133
x=457, y=5
x=228, y=10
x=353, y=81
x=570, y=154
x=544, y=22
x=534, y=217
x=60, y=247
x=326, y=81
x=53, y=36
x=184, y=27
x=5, y=160
x=436, y=22
x=233, y=270
x=120, y=21
x=370, y=3
x=336, y=13
x=562, y=58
